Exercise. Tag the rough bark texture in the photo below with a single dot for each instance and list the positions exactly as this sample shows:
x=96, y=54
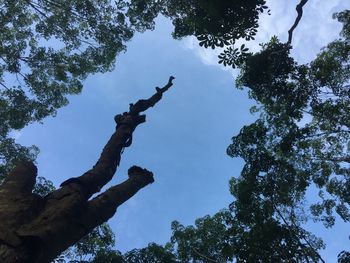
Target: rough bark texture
x=37, y=229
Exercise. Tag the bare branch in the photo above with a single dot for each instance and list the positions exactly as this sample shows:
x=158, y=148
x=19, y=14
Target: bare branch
x=299, y=9
x=43, y=227
x=297, y=233
x=2, y=84
x=36, y=7
x=204, y=256
x=104, y=206
x=103, y=171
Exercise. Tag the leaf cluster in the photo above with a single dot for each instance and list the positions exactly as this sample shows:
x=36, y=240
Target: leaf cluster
x=217, y=24
x=299, y=143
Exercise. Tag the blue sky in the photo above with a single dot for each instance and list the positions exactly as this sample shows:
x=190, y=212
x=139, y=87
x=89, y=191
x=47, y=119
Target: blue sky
x=185, y=137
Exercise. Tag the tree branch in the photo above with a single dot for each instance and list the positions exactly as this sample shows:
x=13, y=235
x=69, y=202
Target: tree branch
x=36, y=8
x=104, y=206
x=104, y=169
x=204, y=256
x=299, y=9
x=67, y=216
x=21, y=179
x=296, y=233
x=345, y=159
x=2, y=84
x=41, y=228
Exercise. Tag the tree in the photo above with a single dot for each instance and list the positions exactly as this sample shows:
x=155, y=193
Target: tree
x=214, y=24
x=299, y=141
x=99, y=241
x=37, y=229
x=283, y=157
x=48, y=48
x=301, y=138
x=97, y=244
x=210, y=240
x=153, y=253
x=225, y=238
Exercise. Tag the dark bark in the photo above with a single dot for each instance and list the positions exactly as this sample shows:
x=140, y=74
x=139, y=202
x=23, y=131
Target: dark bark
x=37, y=229
x=299, y=9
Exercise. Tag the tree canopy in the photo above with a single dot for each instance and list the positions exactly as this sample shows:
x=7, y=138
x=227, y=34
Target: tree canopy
x=300, y=143
x=47, y=49
x=39, y=228
x=50, y=47
x=297, y=147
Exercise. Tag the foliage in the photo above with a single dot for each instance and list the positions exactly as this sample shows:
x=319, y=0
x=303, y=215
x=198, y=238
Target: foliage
x=46, y=49
x=217, y=24
x=302, y=134
x=153, y=253
x=142, y=13
x=225, y=238
x=43, y=186
x=344, y=257
x=94, y=247
x=298, y=145
x=12, y=152
x=210, y=240
x=96, y=253
x=49, y=47
x=300, y=142
x=110, y=256
x=214, y=20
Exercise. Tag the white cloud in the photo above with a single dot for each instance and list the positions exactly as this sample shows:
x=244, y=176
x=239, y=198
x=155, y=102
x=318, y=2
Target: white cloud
x=207, y=55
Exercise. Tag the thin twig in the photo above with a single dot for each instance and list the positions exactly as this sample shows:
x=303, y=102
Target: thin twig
x=297, y=234
x=2, y=84
x=204, y=256
x=321, y=116
x=35, y=7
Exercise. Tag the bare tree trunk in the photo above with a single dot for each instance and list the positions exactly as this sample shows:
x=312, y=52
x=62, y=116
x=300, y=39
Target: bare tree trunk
x=37, y=229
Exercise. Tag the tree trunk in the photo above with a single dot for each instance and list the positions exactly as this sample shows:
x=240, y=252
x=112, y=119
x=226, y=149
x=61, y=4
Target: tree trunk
x=38, y=229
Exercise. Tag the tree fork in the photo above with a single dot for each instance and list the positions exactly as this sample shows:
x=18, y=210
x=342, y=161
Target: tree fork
x=38, y=229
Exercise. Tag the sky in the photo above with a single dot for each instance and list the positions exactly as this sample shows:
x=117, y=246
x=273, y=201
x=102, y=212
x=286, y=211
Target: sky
x=185, y=137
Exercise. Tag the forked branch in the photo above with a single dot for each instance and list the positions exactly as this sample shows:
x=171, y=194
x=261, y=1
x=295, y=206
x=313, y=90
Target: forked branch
x=37, y=229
